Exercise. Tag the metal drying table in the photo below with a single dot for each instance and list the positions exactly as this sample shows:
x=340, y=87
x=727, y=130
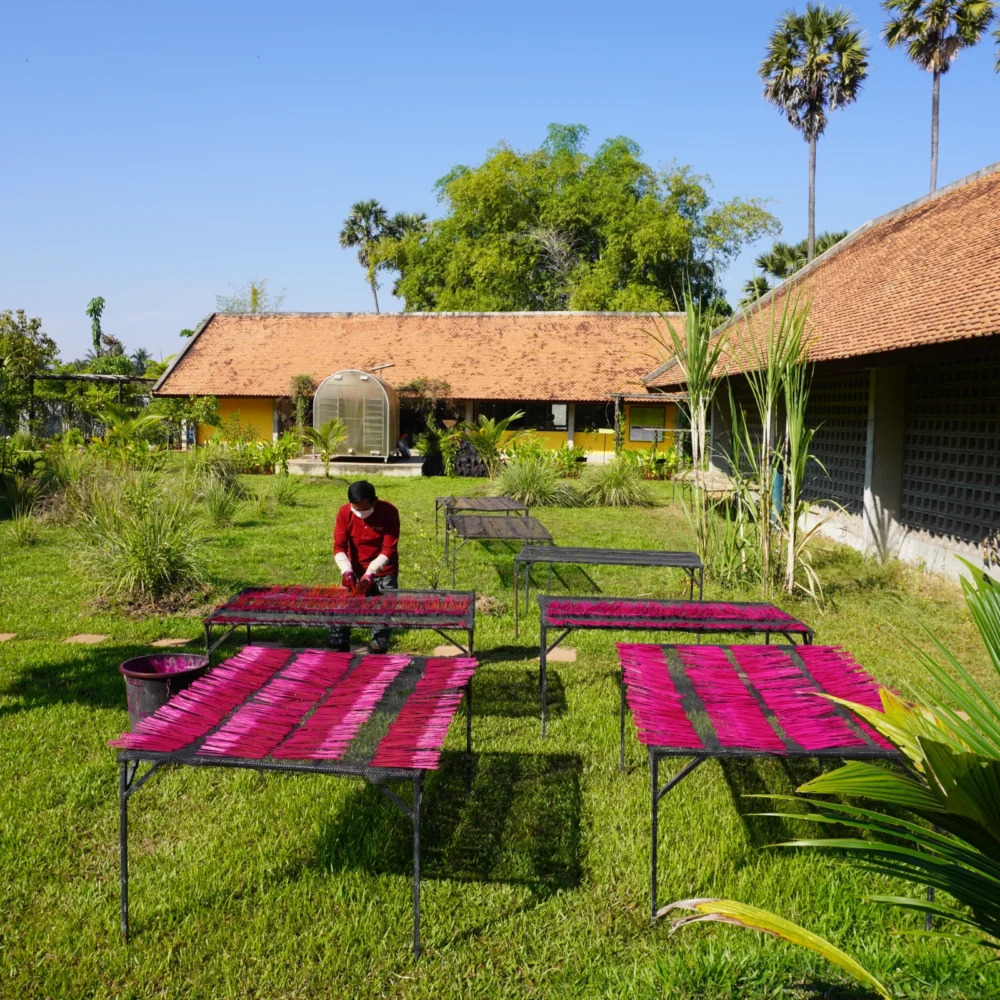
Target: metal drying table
x=475, y=527
x=381, y=718
x=324, y=607
x=722, y=702
x=531, y=554
x=640, y=614
x=477, y=505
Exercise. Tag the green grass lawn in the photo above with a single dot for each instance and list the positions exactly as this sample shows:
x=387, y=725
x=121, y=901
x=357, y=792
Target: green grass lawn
x=299, y=886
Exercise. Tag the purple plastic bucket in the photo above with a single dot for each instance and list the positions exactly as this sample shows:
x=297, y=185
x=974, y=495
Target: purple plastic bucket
x=151, y=681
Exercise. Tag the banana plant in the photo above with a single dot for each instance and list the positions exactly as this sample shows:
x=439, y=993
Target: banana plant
x=950, y=735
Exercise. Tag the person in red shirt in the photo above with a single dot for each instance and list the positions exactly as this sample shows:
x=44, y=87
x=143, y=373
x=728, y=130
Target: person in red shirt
x=365, y=540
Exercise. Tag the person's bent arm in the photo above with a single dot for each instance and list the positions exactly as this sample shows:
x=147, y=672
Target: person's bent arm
x=390, y=543
x=340, y=553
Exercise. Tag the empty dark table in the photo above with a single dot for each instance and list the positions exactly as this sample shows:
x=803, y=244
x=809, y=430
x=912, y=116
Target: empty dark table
x=707, y=702
x=552, y=554
x=643, y=614
x=477, y=528
x=476, y=505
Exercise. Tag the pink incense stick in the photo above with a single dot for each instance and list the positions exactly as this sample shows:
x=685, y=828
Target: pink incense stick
x=655, y=703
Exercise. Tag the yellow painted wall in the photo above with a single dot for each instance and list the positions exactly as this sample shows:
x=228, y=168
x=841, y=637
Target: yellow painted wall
x=256, y=411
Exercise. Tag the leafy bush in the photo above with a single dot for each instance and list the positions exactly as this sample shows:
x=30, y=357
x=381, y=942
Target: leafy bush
x=527, y=444
x=569, y=461
x=261, y=505
x=22, y=530
x=326, y=439
x=535, y=481
x=219, y=504
x=20, y=494
x=617, y=484
x=140, y=542
x=285, y=491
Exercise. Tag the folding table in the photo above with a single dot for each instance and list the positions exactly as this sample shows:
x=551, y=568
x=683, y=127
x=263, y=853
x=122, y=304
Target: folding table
x=323, y=607
x=553, y=554
x=640, y=614
x=381, y=718
x=707, y=702
x=476, y=505
x=476, y=527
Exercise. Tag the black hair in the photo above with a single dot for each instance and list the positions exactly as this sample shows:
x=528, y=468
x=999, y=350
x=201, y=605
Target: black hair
x=361, y=490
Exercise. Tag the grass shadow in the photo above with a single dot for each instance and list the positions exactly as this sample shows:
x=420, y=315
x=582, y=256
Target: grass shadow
x=91, y=680
x=514, y=694
x=747, y=776
x=521, y=825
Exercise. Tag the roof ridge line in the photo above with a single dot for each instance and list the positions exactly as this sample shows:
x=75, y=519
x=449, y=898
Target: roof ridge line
x=509, y=312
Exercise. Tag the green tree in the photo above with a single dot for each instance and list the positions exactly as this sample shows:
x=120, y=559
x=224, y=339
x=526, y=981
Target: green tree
x=934, y=32
x=95, y=309
x=140, y=359
x=815, y=63
x=558, y=228
x=24, y=348
x=366, y=223
x=250, y=299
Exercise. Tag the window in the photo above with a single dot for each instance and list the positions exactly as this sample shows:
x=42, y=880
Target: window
x=537, y=416
x=591, y=417
x=646, y=423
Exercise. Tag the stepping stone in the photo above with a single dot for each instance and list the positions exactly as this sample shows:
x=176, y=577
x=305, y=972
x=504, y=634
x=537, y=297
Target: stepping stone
x=4, y=636
x=86, y=638
x=168, y=643
x=561, y=654
x=448, y=651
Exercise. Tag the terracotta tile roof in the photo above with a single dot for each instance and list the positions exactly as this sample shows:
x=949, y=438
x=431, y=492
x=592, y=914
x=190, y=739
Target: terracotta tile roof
x=928, y=273
x=523, y=355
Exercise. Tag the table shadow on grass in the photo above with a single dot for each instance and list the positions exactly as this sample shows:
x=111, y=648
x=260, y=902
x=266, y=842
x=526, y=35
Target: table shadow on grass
x=746, y=776
x=92, y=679
x=521, y=826
x=513, y=694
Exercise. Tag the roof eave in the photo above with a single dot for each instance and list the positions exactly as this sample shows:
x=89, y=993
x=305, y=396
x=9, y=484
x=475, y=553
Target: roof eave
x=173, y=364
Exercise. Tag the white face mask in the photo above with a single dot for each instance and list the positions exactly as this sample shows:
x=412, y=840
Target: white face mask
x=363, y=514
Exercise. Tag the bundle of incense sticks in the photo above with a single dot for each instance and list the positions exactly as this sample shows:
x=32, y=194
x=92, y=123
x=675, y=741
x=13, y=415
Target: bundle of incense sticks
x=415, y=738
x=331, y=600
x=261, y=723
x=696, y=610
x=192, y=713
x=839, y=674
x=811, y=722
x=655, y=703
x=326, y=734
x=734, y=713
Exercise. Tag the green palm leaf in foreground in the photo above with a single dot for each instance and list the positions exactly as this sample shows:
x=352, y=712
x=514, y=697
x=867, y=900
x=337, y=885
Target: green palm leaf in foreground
x=326, y=439
x=728, y=911
x=953, y=784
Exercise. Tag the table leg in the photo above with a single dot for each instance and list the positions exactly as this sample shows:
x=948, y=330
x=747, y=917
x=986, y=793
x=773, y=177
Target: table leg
x=417, y=782
x=517, y=597
x=542, y=649
x=701, y=584
x=654, y=801
x=123, y=783
x=208, y=640
x=248, y=635
x=691, y=585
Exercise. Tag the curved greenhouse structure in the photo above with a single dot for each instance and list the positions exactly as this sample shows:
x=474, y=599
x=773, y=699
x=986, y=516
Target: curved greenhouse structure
x=369, y=408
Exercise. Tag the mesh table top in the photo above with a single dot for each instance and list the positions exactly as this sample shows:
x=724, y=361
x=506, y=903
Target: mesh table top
x=607, y=557
x=323, y=606
x=737, y=701
x=679, y=615
x=309, y=710
x=483, y=504
x=476, y=527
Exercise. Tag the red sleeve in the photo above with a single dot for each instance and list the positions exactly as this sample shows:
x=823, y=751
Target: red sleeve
x=390, y=540
x=340, y=530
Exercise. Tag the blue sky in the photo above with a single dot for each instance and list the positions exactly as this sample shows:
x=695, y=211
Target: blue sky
x=158, y=154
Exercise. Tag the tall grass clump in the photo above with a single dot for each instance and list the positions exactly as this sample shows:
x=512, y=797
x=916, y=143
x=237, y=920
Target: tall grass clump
x=22, y=530
x=140, y=542
x=219, y=504
x=535, y=481
x=285, y=491
x=617, y=484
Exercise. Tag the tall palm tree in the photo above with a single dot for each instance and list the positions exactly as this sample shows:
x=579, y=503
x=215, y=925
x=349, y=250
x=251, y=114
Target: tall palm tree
x=934, y=32
x=365, y=224
x=815, y=62
x=140, y=357
x=95, y=307
x=404, y=223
